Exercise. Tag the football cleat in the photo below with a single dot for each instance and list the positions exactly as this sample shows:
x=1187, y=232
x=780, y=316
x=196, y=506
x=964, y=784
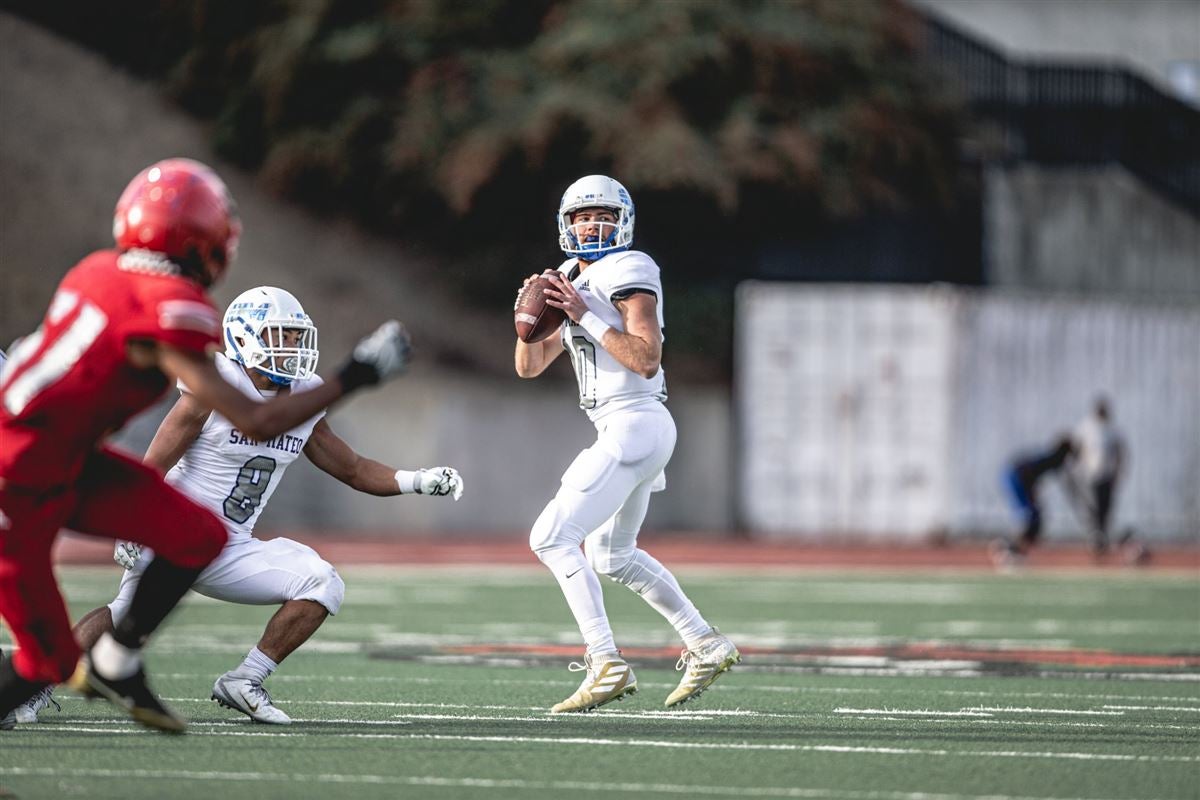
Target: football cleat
x=1005, y=556
x=1134, y=553
x=8, y=721
x=131, y=694
x=715, y=656
x=28, y=711
x=608, y=678
x=249, y=697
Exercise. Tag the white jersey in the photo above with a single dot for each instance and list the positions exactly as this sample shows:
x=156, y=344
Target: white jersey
x=1099, y=445
x=230, y=474
x=605, y=385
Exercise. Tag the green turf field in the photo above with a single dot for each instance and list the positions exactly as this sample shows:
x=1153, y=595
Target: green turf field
x=434, y=682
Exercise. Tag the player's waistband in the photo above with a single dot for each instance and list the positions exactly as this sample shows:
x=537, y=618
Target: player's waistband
x=636, y=404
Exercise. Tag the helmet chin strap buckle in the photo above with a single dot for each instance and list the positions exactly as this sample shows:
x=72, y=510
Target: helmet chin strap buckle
x=275, y=379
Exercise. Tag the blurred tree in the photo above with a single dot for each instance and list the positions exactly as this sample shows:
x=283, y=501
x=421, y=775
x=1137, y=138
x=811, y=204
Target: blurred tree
x=458, y=122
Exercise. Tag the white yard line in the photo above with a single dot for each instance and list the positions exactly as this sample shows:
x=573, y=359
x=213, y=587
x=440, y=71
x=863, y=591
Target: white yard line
x=725, y=687
x=1043, y=723
x=1028, y=710
x=235, y=721
x=677, y=745
x=910, y=720
x=1156, y=708
x=913, y=712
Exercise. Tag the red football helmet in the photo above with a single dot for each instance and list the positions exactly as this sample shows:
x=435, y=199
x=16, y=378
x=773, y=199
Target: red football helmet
x=180, y=208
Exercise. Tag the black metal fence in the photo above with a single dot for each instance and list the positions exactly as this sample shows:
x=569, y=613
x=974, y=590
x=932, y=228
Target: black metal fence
x=1070, y=113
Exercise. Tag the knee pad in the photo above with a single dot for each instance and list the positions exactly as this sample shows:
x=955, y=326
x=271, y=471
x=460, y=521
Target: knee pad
x=634, y=575
x=323, y=585
x=608, y=562
x=554, y=528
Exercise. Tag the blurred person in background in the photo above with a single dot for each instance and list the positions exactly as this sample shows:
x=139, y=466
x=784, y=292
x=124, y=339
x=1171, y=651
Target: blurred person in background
x=1101, y=460
x=1023, y=480
x=271, y=349
x=613, y=299
x=122, y=324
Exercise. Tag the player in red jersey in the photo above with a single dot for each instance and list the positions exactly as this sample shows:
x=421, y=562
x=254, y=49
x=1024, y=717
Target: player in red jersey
x=124, y=325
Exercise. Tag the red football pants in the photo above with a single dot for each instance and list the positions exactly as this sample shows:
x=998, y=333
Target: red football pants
x=114, y=497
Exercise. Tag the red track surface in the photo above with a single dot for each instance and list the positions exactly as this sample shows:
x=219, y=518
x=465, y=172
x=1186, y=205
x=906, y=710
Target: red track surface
x=677, y=548
x=1097, y=659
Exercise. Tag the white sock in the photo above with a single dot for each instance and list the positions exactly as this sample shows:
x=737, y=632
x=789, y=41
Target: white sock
x=658, y=587
x=113, y=660
x=257, y=666
x=584, y=596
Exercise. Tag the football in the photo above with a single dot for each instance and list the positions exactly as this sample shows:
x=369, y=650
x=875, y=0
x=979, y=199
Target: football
x=534, y=317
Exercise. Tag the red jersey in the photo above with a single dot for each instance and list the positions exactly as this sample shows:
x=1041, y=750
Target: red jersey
x=69, y=384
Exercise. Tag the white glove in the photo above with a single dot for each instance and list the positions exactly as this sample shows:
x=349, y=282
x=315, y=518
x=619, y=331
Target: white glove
x=378, y=357
x=438, y=482
x=127, y=554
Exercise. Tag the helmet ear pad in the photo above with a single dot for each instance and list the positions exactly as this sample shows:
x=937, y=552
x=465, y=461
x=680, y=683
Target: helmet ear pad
x=250, y=350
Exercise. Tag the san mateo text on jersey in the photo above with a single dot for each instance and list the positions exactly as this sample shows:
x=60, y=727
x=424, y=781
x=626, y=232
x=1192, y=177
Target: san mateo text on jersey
x=285, y=442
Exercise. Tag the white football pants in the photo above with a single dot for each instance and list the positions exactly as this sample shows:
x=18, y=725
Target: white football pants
x=253, y=572
x=601, y=504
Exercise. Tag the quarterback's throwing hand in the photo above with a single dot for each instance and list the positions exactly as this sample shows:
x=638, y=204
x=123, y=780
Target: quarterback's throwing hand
x=439, y=482
x=378, y=357
x=127, y=554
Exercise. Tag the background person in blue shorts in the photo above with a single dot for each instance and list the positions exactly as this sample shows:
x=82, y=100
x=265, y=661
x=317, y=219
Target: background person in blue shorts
x=1022, y=479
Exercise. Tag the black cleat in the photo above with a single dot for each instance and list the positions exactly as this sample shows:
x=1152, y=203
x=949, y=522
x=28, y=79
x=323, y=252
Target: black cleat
x=8, y=722
x=131, y=694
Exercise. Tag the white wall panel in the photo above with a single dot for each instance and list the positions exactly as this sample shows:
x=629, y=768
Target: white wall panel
x=841, y=404
x=891, y=411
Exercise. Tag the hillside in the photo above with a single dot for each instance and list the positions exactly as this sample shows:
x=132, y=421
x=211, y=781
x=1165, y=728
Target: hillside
x=75, y=129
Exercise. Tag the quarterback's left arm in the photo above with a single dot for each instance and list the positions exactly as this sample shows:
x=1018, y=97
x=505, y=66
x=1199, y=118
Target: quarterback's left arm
x=639, y=347
x=330, y=453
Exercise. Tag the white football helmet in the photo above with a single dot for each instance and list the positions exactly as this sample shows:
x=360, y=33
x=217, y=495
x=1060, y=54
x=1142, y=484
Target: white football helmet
x=596, y=191
x=254, y=335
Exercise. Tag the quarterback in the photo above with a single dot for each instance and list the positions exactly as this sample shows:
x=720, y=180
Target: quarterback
x=613, y=299
x=271, y=348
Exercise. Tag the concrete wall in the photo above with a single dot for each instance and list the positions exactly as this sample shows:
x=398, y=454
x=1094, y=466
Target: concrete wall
x=511, y=440
x=1095, y=230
